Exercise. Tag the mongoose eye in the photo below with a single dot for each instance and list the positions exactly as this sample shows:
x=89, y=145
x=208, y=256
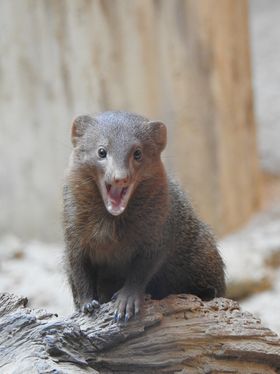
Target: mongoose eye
x=102, y=153
x=137, y=155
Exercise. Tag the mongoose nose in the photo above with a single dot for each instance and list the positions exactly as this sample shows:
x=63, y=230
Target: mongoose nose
x=121, y=182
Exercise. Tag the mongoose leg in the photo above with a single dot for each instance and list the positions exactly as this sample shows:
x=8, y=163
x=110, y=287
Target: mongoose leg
x=129, y=298
x=83, y=282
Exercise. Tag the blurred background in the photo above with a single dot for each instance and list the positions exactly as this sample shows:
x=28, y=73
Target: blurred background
x=210, y=69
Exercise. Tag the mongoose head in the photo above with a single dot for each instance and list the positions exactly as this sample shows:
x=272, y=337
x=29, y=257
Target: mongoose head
x=118, y=151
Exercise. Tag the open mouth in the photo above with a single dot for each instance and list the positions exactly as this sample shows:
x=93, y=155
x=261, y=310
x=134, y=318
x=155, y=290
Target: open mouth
x=115, y=198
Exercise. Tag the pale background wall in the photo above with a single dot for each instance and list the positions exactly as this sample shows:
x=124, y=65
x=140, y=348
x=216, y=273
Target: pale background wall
x=183, y=61
x=265, y=31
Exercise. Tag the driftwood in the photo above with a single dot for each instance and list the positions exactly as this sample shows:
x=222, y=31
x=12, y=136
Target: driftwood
x=180, y=334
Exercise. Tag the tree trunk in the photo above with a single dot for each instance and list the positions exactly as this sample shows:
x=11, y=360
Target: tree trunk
x=209, y=102
x=178, y=334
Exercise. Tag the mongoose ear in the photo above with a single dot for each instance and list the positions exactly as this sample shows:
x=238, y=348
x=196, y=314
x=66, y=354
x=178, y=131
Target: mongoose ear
x=159, y=133
x=79, y=127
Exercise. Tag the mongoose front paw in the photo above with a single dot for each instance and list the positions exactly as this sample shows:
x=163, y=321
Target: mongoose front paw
x=127, y=303
x=89, y=308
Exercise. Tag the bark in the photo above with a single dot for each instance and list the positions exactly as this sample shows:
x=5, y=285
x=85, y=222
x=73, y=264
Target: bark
x=179, y=334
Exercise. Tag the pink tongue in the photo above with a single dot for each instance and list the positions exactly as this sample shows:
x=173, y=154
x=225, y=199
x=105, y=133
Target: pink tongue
x=115, y=195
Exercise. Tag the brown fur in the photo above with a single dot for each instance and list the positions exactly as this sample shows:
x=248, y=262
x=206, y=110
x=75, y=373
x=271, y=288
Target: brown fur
x=156, y=245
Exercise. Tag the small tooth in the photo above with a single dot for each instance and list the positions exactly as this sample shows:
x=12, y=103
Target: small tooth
x=124, y=191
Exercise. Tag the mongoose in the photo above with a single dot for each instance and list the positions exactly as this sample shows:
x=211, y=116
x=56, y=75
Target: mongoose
x=129, y=228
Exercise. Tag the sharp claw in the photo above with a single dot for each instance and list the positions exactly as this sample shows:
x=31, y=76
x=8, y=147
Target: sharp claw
x=127, y=316
x=89, y=307
x=95, y=304
x=116, y=315
x=85, y=308
x=119, y=317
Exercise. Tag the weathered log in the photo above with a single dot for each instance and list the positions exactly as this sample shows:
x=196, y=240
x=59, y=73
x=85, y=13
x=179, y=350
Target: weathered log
x=179, y=334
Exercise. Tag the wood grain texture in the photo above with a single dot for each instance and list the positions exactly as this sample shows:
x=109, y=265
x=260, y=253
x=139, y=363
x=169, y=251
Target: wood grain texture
x=179, y=334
